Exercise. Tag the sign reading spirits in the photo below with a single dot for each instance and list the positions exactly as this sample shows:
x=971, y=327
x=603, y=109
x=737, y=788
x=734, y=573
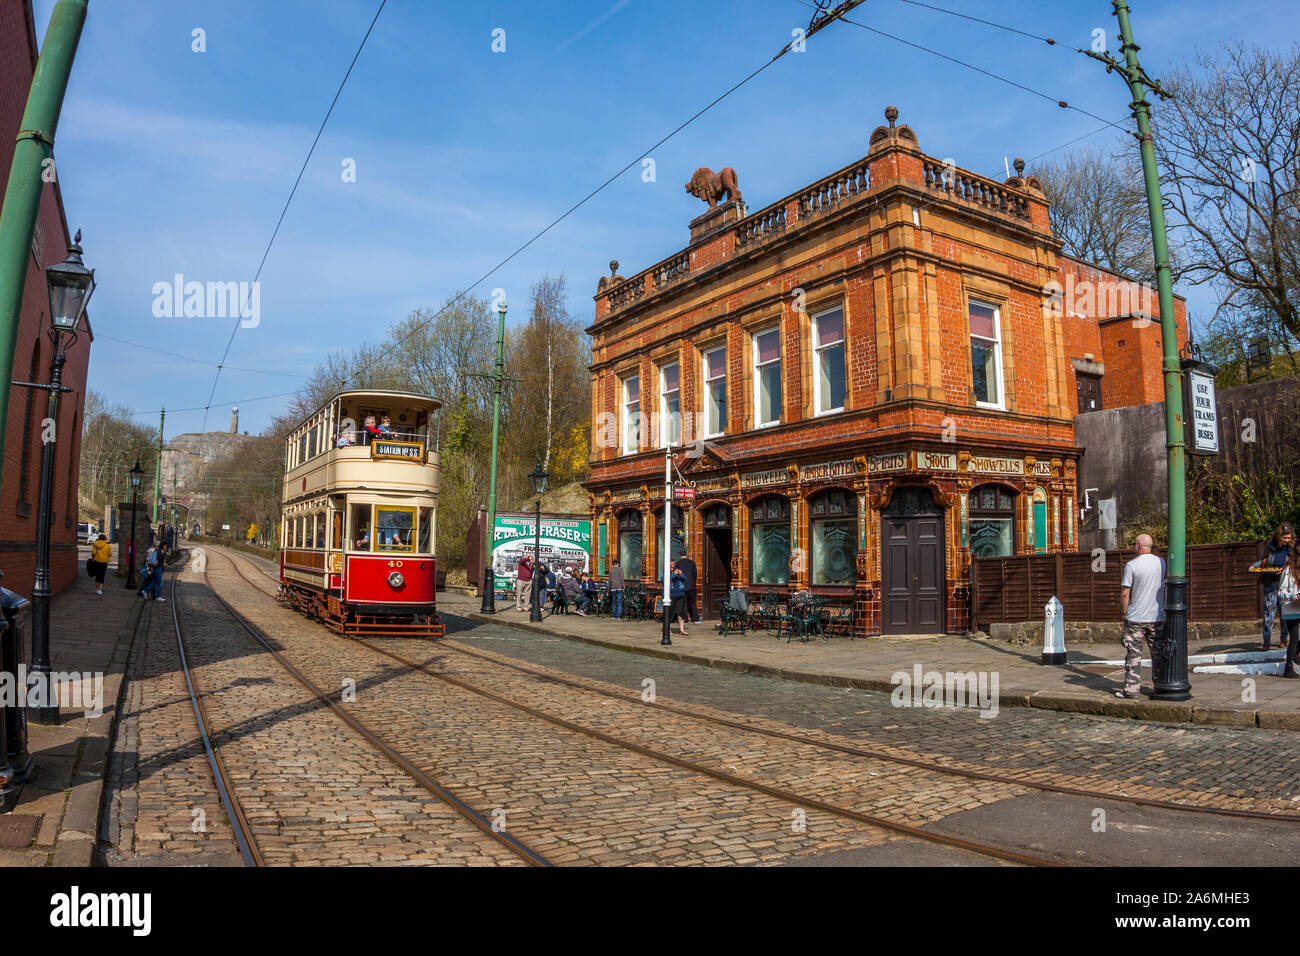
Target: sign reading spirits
x=897, y=461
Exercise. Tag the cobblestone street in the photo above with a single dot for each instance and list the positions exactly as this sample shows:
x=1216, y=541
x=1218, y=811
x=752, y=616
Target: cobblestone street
x=594, y=756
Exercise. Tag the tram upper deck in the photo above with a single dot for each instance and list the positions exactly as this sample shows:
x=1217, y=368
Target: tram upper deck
x=333, y=451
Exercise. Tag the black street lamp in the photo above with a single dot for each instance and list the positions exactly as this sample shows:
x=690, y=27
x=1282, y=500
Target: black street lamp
x=70, y=286
x=539, y=478
x=136, y=474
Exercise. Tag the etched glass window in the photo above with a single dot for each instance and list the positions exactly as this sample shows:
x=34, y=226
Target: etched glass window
x=629, y=544
x=769, y=541
x=992, y=521
x=678, y=540
x=834, y=537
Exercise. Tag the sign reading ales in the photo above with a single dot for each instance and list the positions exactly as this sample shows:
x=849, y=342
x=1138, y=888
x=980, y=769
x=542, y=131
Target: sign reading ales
x=409, y=450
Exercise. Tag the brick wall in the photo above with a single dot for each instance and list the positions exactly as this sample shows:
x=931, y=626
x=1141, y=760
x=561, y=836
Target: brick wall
x=20, y=481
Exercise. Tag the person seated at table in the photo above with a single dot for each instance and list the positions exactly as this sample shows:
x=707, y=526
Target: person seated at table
x=572, y=590
x=588, y=593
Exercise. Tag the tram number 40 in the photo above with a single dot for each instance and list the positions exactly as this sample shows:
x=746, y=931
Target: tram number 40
x=394, y=564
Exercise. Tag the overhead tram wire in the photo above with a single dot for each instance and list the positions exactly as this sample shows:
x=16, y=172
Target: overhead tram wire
x=196, y=361
x=990, y=23
x=238, y=319
x=821, y=18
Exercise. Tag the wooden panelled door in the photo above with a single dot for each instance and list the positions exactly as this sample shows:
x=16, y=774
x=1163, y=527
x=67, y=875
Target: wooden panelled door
x=715, y=569
x=1089, y=392
x=912, y=556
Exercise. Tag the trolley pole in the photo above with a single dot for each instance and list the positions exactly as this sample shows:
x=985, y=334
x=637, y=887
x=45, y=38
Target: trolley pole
x=489, y=579
x=32, y=162
x=1169, y=663
x=668, y=541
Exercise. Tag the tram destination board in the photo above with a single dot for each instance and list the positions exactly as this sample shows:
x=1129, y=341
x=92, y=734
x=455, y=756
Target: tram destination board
x=410, y=451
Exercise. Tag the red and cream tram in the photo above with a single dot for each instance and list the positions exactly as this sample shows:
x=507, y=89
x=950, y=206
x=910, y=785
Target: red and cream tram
x=359, y=520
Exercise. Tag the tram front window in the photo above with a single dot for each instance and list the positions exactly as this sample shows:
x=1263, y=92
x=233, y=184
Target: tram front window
x=360, y=526
x=393, y=529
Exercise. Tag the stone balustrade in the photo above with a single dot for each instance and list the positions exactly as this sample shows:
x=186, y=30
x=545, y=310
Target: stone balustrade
x=968, y=187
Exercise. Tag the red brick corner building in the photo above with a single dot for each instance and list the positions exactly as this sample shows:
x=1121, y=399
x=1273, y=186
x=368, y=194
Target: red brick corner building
x=876, y=378
x=20, y=481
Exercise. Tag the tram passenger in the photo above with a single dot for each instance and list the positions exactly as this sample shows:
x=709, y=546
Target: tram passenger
x=386, y=427
x=371, y=431
x=345, y=439
x=363, y=540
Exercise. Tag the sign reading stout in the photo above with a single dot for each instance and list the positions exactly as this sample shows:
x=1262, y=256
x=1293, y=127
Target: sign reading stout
x=828, y=469
x=936, y=460
x=987, y=465
x=1201, y=409
x=897, y=461
x=757, y=478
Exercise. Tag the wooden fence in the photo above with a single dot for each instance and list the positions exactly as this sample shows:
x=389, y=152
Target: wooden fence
x=1012, y=589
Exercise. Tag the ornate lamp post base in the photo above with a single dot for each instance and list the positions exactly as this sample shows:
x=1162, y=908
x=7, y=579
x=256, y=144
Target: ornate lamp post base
x=1169, y=655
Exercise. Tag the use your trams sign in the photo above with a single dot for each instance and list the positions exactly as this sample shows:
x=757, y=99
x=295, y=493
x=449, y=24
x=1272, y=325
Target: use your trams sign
x=1201, y=408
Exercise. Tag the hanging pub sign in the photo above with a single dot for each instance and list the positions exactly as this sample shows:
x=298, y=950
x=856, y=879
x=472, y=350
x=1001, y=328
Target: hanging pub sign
x=1200, y=406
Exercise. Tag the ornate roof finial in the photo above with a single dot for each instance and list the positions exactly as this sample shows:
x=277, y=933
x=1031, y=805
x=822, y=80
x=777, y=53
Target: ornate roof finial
x=891, y=114
x=1019, y=165
x=613, y=267
x=77, y=237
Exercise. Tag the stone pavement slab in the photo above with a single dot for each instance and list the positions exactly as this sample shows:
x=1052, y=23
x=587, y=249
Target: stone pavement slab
x=89, y=634
x=1081, y=685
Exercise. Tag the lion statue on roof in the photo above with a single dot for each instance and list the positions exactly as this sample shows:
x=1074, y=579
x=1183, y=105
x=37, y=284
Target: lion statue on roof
x=710, y=186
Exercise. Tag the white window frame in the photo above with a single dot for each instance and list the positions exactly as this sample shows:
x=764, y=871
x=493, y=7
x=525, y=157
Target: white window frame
x=707, y=391
x=664, y=421
x=623, y=415
x=758, y=378
x=1001, y=403
x=816, y=353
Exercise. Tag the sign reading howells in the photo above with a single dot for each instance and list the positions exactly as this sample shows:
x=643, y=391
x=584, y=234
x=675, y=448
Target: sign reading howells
x=756, y=478
x=987, y=465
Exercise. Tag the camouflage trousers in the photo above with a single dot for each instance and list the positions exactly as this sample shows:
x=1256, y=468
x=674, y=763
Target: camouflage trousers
x=1270, y=616
x=1134, y=635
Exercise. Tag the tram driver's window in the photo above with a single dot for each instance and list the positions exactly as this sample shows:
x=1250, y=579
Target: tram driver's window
x=393, y=529
x=360, y=526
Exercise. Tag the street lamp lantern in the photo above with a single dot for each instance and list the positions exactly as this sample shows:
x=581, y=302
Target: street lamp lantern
x=71, y=285
x=136, y=474
x=539, y=478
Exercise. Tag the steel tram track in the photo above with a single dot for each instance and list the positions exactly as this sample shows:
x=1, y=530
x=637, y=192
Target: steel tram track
x=788, y=796
x=472, y=815
x=849, y=749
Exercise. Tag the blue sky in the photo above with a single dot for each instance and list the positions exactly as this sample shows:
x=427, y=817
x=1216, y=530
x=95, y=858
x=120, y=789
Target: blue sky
x=173, y=161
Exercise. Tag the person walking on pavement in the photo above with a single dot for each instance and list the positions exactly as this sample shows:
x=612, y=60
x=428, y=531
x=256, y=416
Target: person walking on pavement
x=677, y=598
x=1142, y=602
x=1271, y=566
x=100, y=553
x=523, y=580
x=616, y=586
x=689, y=575
x=1289, y=606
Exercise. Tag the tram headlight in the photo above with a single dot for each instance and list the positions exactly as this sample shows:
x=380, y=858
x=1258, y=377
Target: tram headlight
x=395, y=580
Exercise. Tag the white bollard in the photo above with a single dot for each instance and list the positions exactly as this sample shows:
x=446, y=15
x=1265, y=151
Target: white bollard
x=1054, y=633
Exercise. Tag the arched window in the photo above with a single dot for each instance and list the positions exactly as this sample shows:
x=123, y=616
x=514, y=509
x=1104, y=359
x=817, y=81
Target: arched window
x=769, y=541
x=629, y=543
x=678, y=539
x=992, y=521
x=834, y=535
x=716, y=516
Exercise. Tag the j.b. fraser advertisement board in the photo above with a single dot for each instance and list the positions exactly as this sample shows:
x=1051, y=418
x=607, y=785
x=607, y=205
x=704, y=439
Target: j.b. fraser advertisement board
x=566, y=543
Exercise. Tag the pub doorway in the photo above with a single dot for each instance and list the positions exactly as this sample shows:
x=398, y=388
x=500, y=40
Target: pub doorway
x=715, y=569
x=912, y=559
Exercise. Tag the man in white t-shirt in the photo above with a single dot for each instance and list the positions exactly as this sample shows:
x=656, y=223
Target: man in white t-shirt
x=1142, y=601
